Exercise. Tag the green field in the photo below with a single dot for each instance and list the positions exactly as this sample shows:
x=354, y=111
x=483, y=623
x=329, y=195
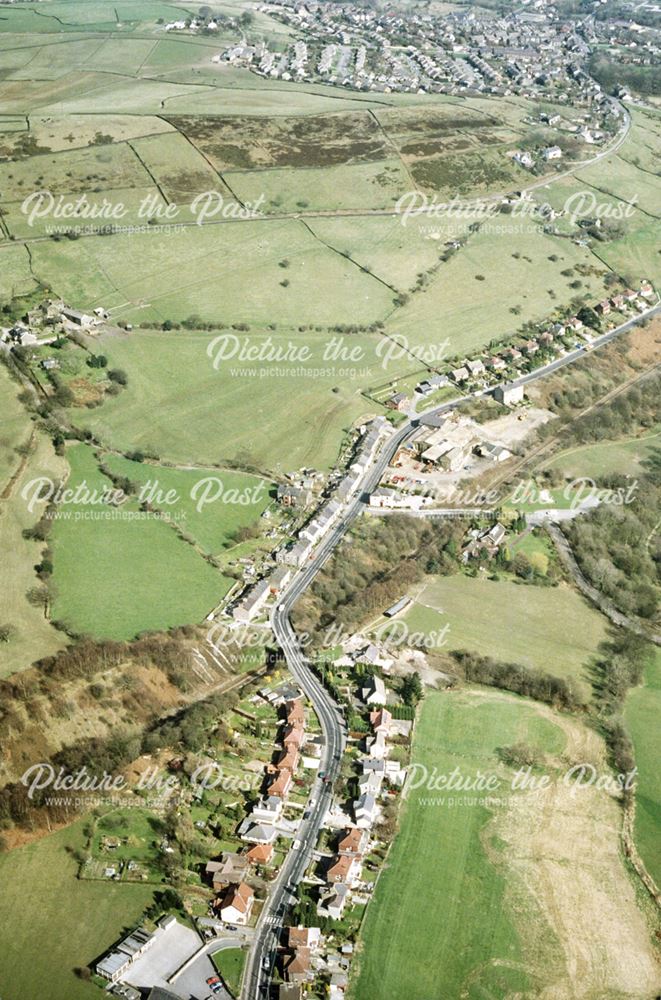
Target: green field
x=52, y=923
x=506, y=897
x=215, y=523
x=279, y=417
x=543, y=628
x=606, y=457
x=642, y=713
x=32, y=636
x=118, y=572
x=205, y=271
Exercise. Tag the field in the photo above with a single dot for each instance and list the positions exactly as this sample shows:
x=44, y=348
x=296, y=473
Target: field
x=118, y=571
x=642, y=718
x=240, y=499
x=31, y=635
x=607, y=457
x=276, y=416
x=518, y=911
x=543, y=628
x=465, y=301
x=204, y=271
x=42, y=935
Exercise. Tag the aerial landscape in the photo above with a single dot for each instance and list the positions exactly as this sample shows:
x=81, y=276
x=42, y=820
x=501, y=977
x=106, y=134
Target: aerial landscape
x=330, y=500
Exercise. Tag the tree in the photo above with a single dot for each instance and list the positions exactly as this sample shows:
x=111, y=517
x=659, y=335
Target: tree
x=540, y=563
x=411, y=690
x=7, y=632
x=118, y=375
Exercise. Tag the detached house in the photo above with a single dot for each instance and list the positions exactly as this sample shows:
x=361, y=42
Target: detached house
x=236, y=905
x=354, y=841
x=373, y=691
x=345, y=868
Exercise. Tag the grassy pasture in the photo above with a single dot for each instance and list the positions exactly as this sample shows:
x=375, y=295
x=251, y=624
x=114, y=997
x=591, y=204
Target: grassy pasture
x=117, y=576
x=396, y=249
x=42, y=899
x=92, y=170
x=470, y=300
x=178, y=405
x=58, y=134
x=376, y=185
x=543, y=628
x=214, y=525
x=206, y=270
x=606, y=457
x=33, y=636
x=15, y=275
x=642, y=710
x=180, y=171
x=501, y=897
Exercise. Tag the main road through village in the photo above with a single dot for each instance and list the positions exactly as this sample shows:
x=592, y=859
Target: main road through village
x=261, y=960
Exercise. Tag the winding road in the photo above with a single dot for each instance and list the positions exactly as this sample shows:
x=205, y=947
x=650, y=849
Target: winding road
x=262, y=957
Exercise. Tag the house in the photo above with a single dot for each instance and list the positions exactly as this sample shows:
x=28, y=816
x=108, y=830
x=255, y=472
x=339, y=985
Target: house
x=296, y=967
x=267, y=810
x=304, y=937
x=372, y=765
x=332, y=901
x=345, y=868
x=279, y=579
x=617, y=301
x=475, y=367
x=256, y=833
x=260, y=854
x=252, y=604
x=293, y=496
x=524, y=159
x=398, y=401
x=353, y=841
x=512, y=354
x=373, y=691
x=231, y=868
x=293, y=737
x=381, y=720
x=237, y=903
x=496, y=452
x=508, y=394
x=76, y=317
x=546, y=338
x=50, y=364
x=574, y=323
x=603, y=307
x=280, y=787
x=365, y=811
x=646, y=290
x=530, y=347
x=496, y=364
x=295, y=712
x=376, y=745
x=295, y=555
x=288, y=760
x=552, y=153
x=370, y=783
x=459, y=375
